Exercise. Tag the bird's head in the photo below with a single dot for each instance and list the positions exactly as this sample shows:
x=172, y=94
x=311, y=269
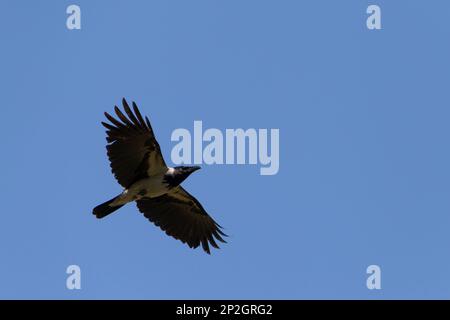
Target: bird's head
x=179, y=174
x=186, y=171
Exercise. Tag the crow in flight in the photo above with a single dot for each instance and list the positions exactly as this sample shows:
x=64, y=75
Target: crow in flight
x=138, y=165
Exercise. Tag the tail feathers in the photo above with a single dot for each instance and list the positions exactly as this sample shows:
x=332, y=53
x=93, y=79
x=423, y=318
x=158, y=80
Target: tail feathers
x=104, y=209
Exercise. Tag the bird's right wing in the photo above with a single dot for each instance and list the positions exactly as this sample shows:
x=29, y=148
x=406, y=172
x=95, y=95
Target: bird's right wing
x=181, y=216
x=133, y=150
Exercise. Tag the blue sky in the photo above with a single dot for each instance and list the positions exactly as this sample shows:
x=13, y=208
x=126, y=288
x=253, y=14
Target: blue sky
x=364, y=158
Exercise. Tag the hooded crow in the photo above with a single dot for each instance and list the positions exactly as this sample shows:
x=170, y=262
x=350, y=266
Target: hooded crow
x=138, y=165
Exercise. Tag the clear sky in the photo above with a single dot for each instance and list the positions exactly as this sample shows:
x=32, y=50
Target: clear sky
x=364, y=147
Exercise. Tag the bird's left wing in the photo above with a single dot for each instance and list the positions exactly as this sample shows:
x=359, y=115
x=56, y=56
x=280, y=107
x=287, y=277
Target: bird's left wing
x=133, y=150
x=181, y=216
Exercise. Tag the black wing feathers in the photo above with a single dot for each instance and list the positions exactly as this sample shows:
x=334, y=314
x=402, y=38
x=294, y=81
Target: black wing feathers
x=181, y=216
x=132, y=150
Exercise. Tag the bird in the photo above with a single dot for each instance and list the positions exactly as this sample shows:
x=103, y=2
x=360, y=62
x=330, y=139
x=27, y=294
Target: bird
x=138, y=165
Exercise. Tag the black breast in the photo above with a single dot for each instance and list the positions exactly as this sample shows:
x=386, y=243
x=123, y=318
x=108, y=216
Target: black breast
x=174, y=179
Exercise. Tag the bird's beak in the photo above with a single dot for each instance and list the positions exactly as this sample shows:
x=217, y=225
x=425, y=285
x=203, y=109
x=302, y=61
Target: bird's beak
x=195, y=168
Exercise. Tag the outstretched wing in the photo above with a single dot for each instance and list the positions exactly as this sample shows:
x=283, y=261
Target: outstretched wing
x=133, y=150
x=181, y=216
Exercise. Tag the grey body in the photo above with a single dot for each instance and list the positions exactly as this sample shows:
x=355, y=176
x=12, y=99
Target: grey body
x=150, y=187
